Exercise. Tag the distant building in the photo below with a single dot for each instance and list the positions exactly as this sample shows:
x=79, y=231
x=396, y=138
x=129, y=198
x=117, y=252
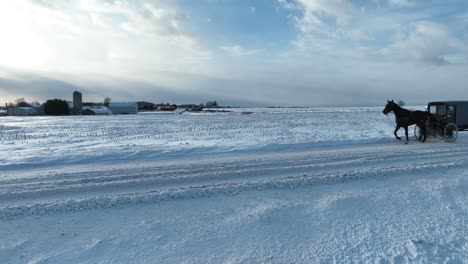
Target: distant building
x=130, y=108
x=23, y=104
x=22, y=111
x=166, y=107
x=213, y=104
x=87, y=112
x=146, y=106
x=77, y=103
x=96, y=110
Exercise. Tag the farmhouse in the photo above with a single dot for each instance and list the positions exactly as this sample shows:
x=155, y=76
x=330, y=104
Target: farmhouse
x=22, y=111
x=130, y=108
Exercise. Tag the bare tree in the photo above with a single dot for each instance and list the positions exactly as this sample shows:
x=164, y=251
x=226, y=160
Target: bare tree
x=19, y=101
x=107, y=101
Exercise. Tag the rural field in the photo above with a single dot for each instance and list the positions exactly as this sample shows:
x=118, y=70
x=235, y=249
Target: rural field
x=267, y=185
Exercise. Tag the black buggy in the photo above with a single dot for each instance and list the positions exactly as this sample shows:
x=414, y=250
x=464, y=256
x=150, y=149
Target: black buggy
x=447, y=118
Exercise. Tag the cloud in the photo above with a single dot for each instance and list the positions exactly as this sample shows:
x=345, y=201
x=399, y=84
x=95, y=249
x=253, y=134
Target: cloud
x=92, y=36
x=348, y=30
x=147, y=18
x=330, y=26
x=288, y=4
x=323, y=15
x=194, y=89
x=236, y=50
x=14, y=84
x=427, y=42
x=401, y=3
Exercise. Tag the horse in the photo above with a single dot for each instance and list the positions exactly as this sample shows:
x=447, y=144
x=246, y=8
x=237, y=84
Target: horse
x=405, y=118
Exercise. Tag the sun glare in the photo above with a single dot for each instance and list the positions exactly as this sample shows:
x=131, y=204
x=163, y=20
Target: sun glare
x=20, y=46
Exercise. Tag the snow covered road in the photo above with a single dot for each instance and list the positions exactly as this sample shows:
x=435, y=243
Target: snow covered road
x=387, y=202
x=73, y=188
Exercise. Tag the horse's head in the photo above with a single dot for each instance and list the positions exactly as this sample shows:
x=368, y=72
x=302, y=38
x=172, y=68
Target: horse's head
x=389, y=107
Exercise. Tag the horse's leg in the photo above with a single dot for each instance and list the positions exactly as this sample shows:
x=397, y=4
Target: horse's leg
x=406, y=134
x=422, y=129
x=422, y=134
x=395, y=132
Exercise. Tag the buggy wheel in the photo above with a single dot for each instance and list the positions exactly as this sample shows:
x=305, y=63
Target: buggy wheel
x=450, y=133
x=417, y=133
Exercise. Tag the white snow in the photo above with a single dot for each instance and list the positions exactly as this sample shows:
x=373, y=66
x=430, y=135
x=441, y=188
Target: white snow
x=323, y=185
x=29, y=142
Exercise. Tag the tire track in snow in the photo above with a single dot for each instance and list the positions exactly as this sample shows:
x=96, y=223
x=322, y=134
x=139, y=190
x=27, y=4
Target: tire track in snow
x=94, y=181
x=205, y=191
x=64, y=193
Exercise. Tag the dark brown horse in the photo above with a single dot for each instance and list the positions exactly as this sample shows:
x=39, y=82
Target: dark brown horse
x=405, y=118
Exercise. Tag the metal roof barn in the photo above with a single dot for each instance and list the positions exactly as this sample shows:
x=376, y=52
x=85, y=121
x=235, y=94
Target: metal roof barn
x=98, y=110
x=22, y=111
x=130, y=108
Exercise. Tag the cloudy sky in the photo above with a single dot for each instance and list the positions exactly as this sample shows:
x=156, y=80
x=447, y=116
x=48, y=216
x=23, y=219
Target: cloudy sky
x=238, y=52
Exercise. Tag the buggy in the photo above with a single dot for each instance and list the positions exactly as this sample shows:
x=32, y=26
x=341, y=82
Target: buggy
x=447, y=118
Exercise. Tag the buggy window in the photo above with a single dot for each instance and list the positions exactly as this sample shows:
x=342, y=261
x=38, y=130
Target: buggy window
x=438, y=109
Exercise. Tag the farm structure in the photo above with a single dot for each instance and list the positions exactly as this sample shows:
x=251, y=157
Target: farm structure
x=77, y=103
x=448, y=117
x=22, y=111
x=118, y=108
x=96, y=110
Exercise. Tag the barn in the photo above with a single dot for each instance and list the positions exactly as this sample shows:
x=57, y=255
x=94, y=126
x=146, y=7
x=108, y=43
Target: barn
x=97, y=110
x=22, y=111
x=130, y=108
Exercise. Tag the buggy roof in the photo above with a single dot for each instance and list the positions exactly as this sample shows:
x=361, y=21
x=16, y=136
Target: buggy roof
x=449, y=102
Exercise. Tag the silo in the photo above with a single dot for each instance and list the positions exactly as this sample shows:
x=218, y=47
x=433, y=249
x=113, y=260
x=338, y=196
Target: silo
x=77, y=103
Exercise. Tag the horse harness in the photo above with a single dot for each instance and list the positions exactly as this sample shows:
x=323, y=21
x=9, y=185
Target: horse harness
x=404, y=119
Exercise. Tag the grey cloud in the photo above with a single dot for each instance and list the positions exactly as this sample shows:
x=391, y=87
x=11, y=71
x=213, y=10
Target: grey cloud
x=298, y=86
x=40, y=87
x=426, y=42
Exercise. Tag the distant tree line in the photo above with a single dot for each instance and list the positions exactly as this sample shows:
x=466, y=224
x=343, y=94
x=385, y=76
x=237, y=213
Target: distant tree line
x=61, y=107
x=20, y=102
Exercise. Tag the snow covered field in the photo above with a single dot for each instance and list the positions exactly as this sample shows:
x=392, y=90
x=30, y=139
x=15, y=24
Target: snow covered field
x=323, y=185
x=43, y=141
